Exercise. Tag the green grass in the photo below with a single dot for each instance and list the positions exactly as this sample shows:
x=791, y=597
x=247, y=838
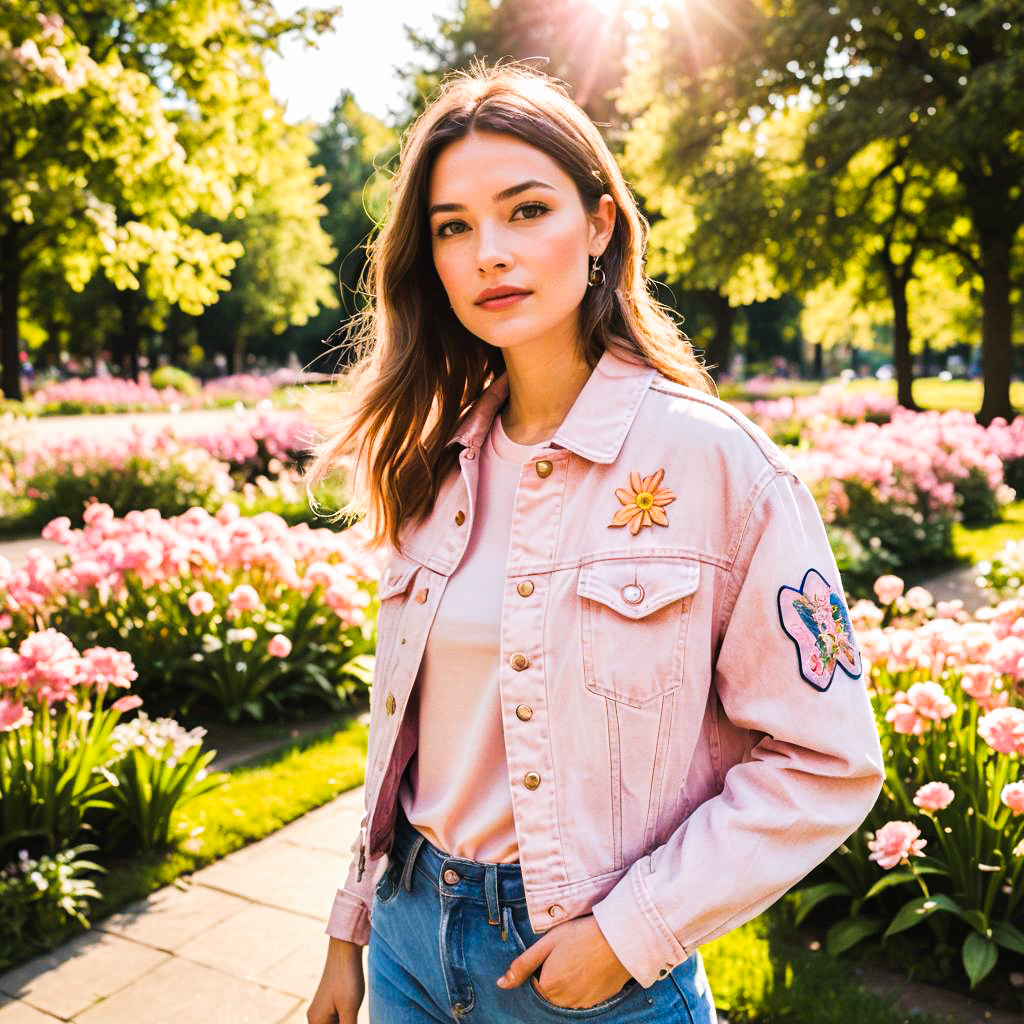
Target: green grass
x=979, y=543
x=760, y=974
x=932, y=393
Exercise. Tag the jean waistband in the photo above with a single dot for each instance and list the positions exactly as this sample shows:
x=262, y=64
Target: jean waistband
x=494, y=884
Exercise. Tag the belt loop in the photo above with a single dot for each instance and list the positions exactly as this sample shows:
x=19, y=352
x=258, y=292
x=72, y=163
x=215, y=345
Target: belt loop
x=491, y=893
x=410, y=861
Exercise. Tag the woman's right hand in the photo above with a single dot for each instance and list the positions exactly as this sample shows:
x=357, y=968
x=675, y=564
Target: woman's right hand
x=342, y=985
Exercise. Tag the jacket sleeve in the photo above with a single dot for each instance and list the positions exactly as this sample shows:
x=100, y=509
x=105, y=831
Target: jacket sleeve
x=350, y=914
x=788, y=669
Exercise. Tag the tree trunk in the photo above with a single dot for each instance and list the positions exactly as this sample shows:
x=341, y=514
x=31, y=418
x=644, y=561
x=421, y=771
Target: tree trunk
x=896, y=279
x=818, y=373
x=996, y=329
x=10, y=295
x=719, y=352
x=238, y=352
x=128, y=350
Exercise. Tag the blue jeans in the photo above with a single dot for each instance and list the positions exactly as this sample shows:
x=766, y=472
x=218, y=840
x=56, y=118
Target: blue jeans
x=446, y=928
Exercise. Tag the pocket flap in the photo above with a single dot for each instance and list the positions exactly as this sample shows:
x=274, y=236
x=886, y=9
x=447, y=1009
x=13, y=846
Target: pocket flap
x=635, y=588
x=396, y=576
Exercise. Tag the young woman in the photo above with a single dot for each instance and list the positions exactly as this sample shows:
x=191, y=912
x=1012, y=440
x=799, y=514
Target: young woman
x=618, y=708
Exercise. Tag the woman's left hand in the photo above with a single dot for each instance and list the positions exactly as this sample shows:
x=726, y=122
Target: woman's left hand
x=580, y=969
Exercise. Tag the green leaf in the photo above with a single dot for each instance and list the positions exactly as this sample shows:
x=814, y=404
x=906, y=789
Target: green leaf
x=811, y=897
x=918, y=909
x=844, y=934
x=980, y=956
x=1008, y=936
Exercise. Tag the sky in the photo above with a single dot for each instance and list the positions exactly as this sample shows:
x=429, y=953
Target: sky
x=360, y=55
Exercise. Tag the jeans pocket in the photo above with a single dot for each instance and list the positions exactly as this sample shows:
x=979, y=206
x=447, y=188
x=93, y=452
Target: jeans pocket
x=388, y=884
x=517, y=930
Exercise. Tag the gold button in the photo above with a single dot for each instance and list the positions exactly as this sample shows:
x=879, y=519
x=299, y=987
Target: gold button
x=421, y=595
x=524, y=712
x=470, y=454
x=544, y=468
x=531, y=780
x=633, y=593
x=525, y=588
x=451, y=876
x=389, y=704
x=460, y=517
x=519, y=661
x=555, y=910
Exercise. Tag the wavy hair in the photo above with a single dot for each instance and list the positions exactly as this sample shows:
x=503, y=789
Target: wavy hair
x=418, y=369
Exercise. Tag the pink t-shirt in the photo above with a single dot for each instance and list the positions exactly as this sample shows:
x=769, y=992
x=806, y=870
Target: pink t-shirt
x=455, y=789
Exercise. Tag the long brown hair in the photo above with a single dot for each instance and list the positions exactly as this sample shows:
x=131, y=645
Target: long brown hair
x=418, y=368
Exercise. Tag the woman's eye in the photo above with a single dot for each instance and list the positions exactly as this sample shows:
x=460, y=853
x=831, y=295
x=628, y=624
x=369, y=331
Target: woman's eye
x=441, y=233
x=532, y=206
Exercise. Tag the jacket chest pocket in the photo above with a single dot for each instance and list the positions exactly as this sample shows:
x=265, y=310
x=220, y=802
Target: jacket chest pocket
x=634, y=620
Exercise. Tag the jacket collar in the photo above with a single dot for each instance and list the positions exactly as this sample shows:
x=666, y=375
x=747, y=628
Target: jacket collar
x=596, y=425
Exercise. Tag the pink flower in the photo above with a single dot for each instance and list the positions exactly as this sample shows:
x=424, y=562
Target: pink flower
x=918, y=598
x=1007, y=657
x=895, y=842
x=888, y=588
x=244, y=598
x=127, y=702
x=1003, y=730
x=280, y=646
x=107, y=666
x=200, y=602
x=904, y=719
x=934, y=796
x=930, y=700
x=1013, y=796
x=13, y=714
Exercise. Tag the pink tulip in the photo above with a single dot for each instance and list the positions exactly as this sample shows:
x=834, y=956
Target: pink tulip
x=905, y=720
x=888, y=588
x=1013, y=796
x=13, y=715
x=934, y=796
x=929, y=700
x=127, y=703
x=918, y=598
x=280, y=646
x=895, y=843
x=200, y=603
x=244, y=598
x=1003, y=730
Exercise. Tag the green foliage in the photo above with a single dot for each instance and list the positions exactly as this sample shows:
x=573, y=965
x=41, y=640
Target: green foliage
x=175, y=378
x=42, y=900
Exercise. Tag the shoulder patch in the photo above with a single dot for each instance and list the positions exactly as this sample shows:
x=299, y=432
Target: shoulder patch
x=815, y=618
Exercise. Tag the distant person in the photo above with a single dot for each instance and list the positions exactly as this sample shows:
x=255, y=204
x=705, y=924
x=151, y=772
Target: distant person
x=617, y=708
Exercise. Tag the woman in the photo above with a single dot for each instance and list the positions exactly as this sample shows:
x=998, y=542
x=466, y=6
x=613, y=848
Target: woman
x=618, y=707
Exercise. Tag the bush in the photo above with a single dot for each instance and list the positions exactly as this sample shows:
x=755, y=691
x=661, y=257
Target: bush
x=176, y=379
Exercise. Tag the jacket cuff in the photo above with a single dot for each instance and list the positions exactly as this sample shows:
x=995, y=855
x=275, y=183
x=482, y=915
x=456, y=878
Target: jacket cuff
x=636, y=932
x=349, y=920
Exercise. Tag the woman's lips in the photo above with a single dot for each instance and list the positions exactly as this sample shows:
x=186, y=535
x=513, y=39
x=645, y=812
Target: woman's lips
x=504, y=301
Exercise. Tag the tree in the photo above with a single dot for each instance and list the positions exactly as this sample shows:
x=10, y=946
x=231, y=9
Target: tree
x=117, y=126
x=282, y=278
x=944, y=82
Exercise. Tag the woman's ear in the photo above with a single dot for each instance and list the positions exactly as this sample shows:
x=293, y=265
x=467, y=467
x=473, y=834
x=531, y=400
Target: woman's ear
x=602, y=224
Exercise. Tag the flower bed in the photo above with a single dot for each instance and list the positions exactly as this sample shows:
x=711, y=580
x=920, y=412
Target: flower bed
x=239, y=615
x=943, y=848
x=890, y=493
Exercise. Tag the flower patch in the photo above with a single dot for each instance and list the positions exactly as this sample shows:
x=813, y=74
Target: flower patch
x=816, y=620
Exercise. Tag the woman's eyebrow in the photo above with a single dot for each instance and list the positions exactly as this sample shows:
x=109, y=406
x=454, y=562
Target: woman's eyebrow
x=505, y=193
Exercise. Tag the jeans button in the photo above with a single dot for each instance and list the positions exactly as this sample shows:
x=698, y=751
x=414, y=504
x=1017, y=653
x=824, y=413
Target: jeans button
x=451, y=876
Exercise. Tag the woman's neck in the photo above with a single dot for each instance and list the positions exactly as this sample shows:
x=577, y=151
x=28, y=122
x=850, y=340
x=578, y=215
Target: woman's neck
x=542, y=390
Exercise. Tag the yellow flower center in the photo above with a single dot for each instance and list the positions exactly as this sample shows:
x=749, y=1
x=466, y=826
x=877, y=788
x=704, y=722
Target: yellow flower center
x=644, y=500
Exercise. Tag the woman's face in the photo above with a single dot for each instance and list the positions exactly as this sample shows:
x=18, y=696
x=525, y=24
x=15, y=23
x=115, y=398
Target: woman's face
x=504, y=215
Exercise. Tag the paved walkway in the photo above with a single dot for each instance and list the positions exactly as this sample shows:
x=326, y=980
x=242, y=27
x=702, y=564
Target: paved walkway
x=241, y=943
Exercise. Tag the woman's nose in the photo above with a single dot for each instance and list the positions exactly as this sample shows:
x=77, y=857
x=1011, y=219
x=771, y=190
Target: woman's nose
x=492, y=250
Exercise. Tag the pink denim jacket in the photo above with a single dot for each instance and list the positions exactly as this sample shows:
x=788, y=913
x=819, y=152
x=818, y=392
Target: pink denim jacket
x=687, y=727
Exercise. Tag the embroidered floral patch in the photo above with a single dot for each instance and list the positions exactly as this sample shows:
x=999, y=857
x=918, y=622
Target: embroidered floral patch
x=643, y=503
x=816, y=620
